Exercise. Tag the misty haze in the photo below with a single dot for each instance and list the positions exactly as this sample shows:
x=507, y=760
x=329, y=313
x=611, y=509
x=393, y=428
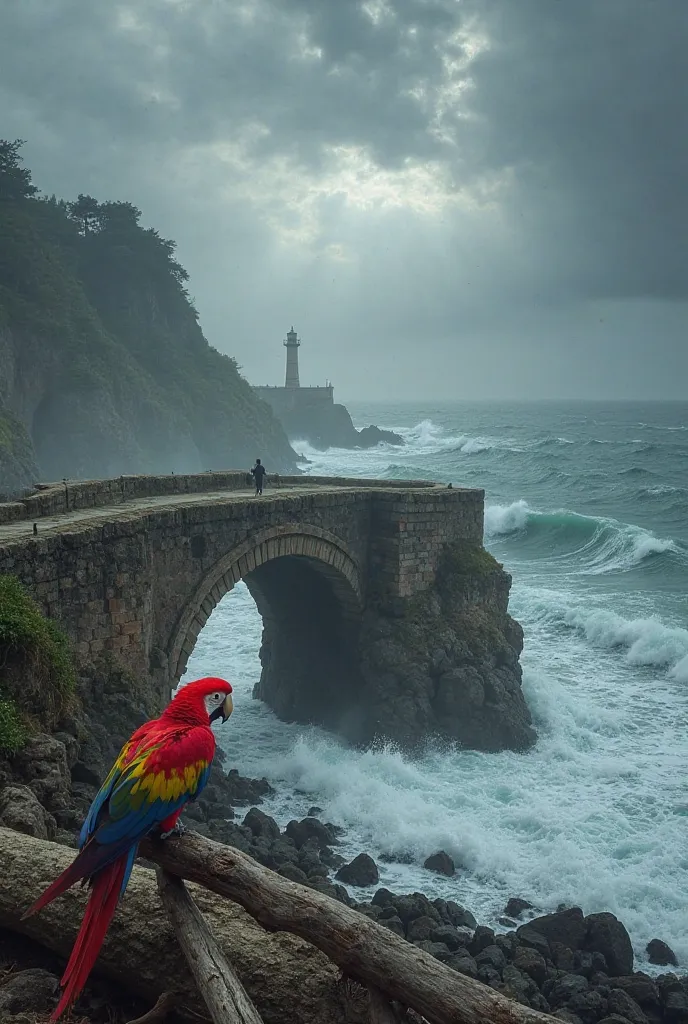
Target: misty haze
x=344, y=361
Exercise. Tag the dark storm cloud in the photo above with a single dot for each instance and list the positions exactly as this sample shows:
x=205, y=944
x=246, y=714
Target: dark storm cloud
x=548, y=136
x=588, y=102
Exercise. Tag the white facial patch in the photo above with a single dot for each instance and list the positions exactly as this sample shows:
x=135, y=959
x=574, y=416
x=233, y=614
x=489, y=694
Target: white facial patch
x=213, y=701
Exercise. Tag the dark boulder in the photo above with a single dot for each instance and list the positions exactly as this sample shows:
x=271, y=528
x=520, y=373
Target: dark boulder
x=449, y=935
x=310, y=828
x=660, y=953
x=589, y=1006
x=293, y=873
x=642, y=988
x=563, y=989
x=516, y=906
x=361, y=871
x=464, y=964
x=607, y=935
x=30, y=991
x=394, y=924
x=621, y=1003
x=491, y=956
x=482, y=938
x=261, y=824
x=530, y=962
x=440, y=862
x=528, y=936
x=567, y=927
x=420, y=929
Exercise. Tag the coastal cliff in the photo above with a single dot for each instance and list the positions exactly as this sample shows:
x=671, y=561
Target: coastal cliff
x=104, y=369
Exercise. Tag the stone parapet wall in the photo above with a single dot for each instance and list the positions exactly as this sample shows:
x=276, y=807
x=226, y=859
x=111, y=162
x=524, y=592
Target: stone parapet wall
x=69, y=495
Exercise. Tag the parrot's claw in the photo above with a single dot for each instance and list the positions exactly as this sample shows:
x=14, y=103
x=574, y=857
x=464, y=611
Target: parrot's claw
x=178, y=830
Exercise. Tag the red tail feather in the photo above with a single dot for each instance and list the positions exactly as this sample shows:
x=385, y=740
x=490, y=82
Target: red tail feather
x=99, y=910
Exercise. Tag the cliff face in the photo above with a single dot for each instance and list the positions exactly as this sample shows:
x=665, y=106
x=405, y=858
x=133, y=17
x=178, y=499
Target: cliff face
x=104, y=369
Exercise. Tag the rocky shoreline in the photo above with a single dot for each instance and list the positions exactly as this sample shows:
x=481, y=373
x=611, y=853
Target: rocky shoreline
x=578, y=968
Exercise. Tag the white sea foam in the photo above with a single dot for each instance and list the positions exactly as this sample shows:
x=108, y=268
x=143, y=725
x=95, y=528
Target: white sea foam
x=505, y=519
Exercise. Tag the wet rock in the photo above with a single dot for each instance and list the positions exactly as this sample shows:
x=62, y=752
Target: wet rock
x=436, y=949
x=589, y=1006
x=567, y=927
x=261, y=824
x=491, y=956
x=441, y=863
x=607, y=935
x=421, y=929
x=613, y=1018
x=310, y=828
x=464, y=964
x=394, y=924
x=619, y=1002
x=20, y=810
x=415, y=905
x=361, y=871
x=507, y=944
x=450, y=936
x=568, y=1016
x=516, y=906
x=563, y=957
x=283, y=851
x=642, y=989
x=482, y=938
x=460, y=917
x=563, y=989
x=332, y=859
x=582, y=963
x=676, y=1008
x=660, y=953
x=335, y=892
x=489, y=976
x=530, y=962
x=293, y=873
x=528, y=936
x=30, y=991
x=245, y=791
x=313, y=812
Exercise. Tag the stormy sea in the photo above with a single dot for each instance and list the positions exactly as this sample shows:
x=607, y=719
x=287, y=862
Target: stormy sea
x=587, y=507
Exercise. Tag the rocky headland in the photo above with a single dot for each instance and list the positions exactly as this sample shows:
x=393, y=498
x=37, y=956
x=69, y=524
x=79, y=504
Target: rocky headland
x=331, y=426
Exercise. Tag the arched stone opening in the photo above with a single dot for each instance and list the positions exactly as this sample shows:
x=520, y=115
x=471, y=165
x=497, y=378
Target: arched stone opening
x=307, y=589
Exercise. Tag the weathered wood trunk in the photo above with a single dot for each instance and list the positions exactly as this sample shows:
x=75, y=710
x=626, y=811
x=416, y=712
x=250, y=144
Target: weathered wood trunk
x=365, y=950
x=289, y=981
x=222, y=992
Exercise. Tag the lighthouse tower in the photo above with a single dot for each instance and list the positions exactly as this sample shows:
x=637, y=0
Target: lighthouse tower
x=292, y=345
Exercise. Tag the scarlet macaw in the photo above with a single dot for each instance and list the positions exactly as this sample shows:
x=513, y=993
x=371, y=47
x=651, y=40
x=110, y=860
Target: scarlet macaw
x=165, y=764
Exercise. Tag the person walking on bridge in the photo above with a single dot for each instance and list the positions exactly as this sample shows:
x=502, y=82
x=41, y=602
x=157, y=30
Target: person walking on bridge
x=258, y=472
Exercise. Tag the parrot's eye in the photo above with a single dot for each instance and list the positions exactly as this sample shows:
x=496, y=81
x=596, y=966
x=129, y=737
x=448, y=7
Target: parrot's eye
x=216, y=696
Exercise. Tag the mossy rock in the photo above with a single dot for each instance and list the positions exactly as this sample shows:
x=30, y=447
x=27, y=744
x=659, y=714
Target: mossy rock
x=37, y=678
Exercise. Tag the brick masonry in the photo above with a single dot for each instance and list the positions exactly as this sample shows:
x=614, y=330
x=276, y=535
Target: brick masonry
x=135, y=566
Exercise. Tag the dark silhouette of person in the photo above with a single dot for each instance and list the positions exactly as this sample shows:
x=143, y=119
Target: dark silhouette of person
x=258, y=472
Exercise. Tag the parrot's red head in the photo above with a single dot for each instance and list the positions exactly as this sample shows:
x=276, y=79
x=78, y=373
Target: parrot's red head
x=205, y=700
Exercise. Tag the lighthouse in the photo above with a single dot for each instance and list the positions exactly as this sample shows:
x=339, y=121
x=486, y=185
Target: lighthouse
x=292, y=346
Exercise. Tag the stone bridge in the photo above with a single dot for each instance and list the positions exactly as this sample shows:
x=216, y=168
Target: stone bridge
x=133, y=568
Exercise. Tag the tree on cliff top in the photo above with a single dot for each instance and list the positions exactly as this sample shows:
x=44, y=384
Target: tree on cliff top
x=100, y=320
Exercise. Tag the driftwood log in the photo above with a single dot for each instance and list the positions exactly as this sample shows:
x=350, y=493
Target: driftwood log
x=222, y=992
x=288, y=980
x=365, y=951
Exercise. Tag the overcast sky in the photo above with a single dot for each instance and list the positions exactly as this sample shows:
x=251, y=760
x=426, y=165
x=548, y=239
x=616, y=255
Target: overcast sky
x=460, y=198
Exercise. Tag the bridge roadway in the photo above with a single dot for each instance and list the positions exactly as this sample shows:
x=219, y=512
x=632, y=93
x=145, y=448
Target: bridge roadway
x=132, y=508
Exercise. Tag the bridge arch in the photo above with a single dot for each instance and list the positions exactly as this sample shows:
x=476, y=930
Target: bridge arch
x=307, y=587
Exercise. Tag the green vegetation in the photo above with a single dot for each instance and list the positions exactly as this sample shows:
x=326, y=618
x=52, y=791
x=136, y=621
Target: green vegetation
x=94, y=309
x=469, y=560
x=37, y=678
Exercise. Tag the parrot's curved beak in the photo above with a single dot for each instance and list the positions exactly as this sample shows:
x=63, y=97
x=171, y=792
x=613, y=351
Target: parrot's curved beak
x=224, y=711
